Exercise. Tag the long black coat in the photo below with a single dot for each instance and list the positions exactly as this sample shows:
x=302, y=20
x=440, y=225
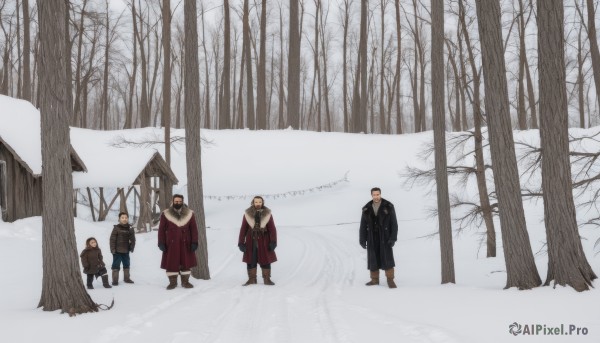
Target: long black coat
x=388, y=231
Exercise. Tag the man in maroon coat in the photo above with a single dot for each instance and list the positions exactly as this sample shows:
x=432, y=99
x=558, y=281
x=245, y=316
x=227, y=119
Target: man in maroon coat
x=178, y=240
x=258, y=240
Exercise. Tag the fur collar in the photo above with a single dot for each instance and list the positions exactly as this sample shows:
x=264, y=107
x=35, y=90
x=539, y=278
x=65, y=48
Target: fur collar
x=179, y=219
x=265, y=216
x=385, y=206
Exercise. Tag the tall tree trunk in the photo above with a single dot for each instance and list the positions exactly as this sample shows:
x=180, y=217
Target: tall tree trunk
x=482, y=189
x=293, y=105
x=206, y=73
x=382, y=127
x=76, y=121
x=106, y=65
x=594, y=51
x=261, y=91
x=62, y=286
x=144, y=109
x=166, y=188
x=192, y=135
x=520, y=265
x=521, y=112
x=398, y=68
x=580, y=81
x=345, y=25
x=364, y=96
x=281, y=122
x=567, y=264
x=26, y=94
x=129, y=124
x=251, y=124
x=225, y=112
x=415, y=83
x=439, y=139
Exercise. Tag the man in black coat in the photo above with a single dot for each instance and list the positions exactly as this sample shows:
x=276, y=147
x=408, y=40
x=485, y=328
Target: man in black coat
x=378, y=234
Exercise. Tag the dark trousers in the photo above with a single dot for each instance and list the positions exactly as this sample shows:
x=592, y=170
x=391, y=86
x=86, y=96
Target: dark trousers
x=119, y=258
x=255, y=258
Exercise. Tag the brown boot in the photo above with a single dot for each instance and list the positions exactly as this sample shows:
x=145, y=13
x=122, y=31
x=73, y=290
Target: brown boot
x=267, y=277
x=251, y=277
x=90, y=281
x=105, y=281
x=185, y=281
x=126, y=277
x=374, y=278
x=172, y=281
x=115, y=277
x=389, y=274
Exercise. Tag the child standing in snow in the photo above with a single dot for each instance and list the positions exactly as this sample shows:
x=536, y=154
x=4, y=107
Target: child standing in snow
x=122, y=242
x=93, y=265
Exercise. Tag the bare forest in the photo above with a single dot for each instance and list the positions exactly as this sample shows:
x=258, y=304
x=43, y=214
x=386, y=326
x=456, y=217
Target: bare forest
x=353, y=66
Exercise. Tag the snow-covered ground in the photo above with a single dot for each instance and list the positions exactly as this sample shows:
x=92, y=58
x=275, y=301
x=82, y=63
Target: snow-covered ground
x=319, y=294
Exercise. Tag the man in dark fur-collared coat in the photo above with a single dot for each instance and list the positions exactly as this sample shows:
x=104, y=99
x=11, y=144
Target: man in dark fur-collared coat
x=258, y=240
x=378, y=234
x=178, y=240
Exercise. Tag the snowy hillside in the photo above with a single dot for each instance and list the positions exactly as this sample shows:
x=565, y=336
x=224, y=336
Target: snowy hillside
x=319, y=294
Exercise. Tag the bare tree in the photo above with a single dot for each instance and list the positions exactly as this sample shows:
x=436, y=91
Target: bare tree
x=192, y=135
x=594, y=50
x=439, y=138
x=26, y=94
x=166, y=189
x=250, y=117
x=484, y=199
x=567, y=264
x=398, y=68
x=224, y=113
x=62, y=286
x=293, y=108
x=520, y=265
x=261, y=91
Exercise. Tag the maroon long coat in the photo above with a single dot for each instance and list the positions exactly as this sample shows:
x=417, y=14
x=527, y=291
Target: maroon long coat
x=178, y=232
x=264, y=255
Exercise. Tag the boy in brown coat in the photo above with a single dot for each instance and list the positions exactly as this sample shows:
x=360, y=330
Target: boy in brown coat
x=122, y=242
x=91, y=259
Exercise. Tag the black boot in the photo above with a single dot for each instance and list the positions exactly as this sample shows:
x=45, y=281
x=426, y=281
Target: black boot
x=105, y=281
x=90, y=280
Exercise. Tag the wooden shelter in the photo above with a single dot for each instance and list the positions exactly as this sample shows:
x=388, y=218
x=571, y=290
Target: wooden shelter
x=21, y=160
x=120, y=177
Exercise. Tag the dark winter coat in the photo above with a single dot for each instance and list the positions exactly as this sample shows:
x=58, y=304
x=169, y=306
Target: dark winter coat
x=177, y=232
x=384, y=226
x=122, y=239
x=268, y=235
x=91, y=260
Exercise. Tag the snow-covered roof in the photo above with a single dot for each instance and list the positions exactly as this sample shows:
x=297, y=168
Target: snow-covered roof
x=20, y=132
x=113, y=163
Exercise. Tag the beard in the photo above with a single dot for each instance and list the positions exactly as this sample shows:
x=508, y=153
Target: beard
x=177, y=206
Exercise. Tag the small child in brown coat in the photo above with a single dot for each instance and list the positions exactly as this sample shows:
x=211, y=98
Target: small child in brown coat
x=93, y=265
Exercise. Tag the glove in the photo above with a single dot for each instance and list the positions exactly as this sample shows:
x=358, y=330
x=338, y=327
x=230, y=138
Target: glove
x=391, y=243
x=162, y=247
x=272, y=246
x=131, y=250
x=363, y=245
x=242, y=247
x=194, y=246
